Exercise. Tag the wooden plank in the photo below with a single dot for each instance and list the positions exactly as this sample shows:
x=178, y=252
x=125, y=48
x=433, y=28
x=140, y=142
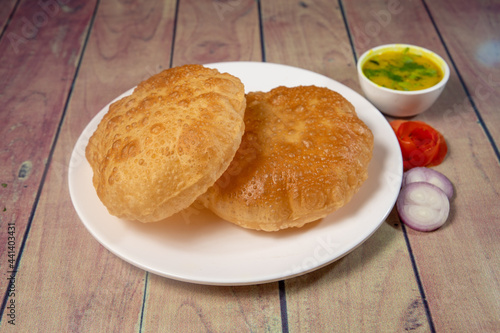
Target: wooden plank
x=173, y=306
x=458, y=264
x=6, y=10
x=311, y=36
x=216, y=31
x=67, y=281
x=38, y=54
x=373, y=288
x=212, y=32
x=474, y=45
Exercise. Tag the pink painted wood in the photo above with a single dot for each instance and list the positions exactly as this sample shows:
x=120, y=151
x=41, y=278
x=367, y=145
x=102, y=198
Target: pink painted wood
x=39, y=53
x=61, y=61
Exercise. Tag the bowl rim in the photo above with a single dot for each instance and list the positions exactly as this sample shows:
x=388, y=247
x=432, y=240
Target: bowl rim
x=444, y=66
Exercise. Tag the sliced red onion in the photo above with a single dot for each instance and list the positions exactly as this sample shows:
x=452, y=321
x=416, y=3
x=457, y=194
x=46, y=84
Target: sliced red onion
x=423, y=174
x=423, y=206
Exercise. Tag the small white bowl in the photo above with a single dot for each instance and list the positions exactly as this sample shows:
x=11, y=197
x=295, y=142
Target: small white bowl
x=399, y=103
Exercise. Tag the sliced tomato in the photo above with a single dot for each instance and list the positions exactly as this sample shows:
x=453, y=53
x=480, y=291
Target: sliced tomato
x=442, y=151
x=421, y=145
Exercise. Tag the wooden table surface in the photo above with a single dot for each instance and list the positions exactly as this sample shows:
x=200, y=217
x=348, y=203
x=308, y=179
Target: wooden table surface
x=62, y=61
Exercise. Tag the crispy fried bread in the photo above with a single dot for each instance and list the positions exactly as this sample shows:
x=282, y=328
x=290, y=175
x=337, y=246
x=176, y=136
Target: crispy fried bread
x=304, y=154
x=158, y=149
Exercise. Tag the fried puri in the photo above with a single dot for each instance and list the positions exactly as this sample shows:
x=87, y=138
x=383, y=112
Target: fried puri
x=304, y=154
x=158, y=149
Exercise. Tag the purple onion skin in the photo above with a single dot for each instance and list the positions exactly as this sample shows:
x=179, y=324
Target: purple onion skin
x=423, y=206
x=423, y=174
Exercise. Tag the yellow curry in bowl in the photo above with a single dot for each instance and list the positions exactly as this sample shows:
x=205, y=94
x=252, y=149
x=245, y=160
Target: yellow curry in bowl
x=402, y=70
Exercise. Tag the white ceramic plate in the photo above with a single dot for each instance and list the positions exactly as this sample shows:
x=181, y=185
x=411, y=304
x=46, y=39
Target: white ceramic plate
x=197, y=246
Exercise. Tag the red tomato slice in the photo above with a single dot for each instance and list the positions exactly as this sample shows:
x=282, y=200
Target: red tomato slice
x=442, y=151
x=421, y=145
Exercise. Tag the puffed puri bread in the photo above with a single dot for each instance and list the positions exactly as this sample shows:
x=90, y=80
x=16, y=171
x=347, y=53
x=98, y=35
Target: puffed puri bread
x=158, y=149
x=304, y=154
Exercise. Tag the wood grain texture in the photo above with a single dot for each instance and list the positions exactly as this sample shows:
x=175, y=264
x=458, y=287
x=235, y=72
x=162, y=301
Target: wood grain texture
x=373, y=288
x=67, y=281
x=38, y=55
x=309, y=35
x=6, y=10
x=474, y=45
x=174, y=306
x=458, y=264
x=215, y=31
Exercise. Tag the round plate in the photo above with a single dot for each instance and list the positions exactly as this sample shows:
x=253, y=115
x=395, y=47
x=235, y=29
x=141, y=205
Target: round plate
x=197, y=246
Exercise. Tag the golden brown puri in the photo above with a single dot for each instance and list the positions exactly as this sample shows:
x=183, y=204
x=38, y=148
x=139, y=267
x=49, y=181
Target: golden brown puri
x=304, y=154
x=158, y=149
